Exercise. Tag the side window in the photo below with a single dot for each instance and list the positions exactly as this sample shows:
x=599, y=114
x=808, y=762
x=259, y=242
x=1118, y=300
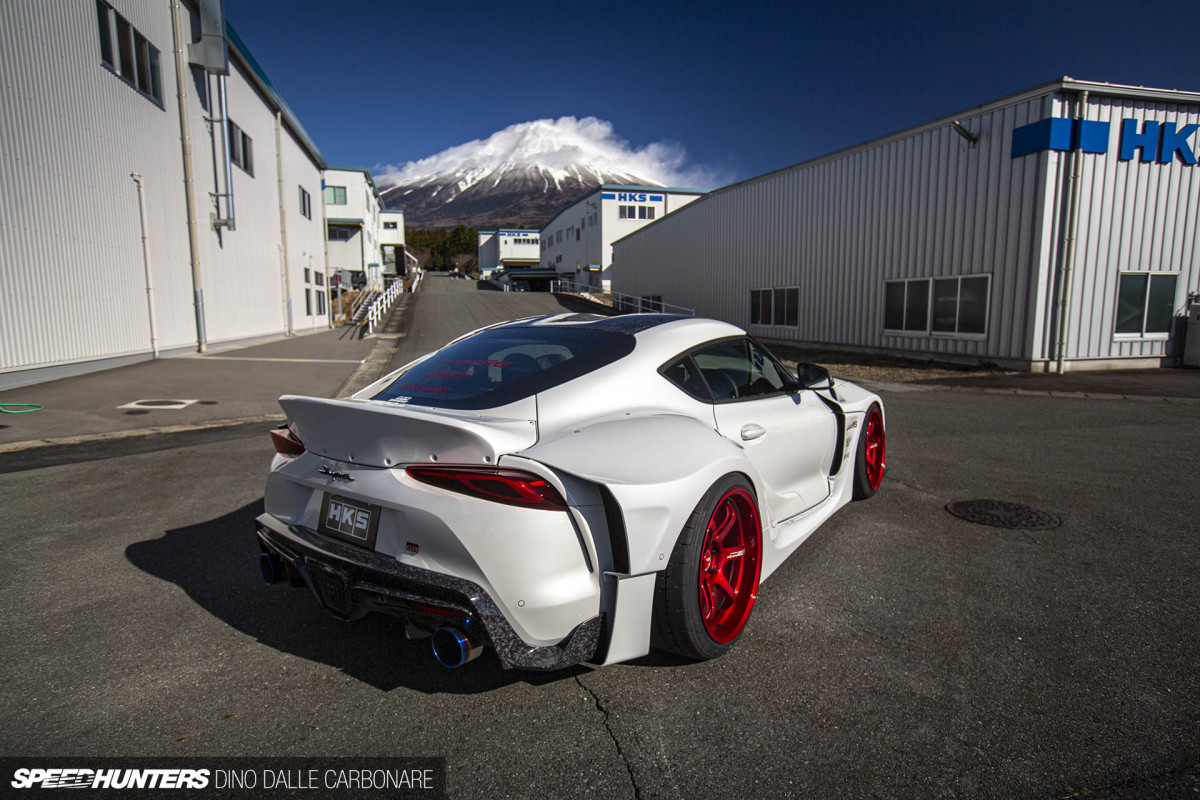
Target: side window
x=766, y=376
x=739, y=369
x=683, y=373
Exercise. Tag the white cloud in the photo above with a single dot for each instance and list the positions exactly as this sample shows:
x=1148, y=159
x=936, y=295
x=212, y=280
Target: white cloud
x=556, y=145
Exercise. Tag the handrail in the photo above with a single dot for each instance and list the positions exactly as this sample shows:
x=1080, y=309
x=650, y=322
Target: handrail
x=382, y=304
x=620, y=302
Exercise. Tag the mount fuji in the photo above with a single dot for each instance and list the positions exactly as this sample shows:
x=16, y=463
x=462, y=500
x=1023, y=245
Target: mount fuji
x=523, y=175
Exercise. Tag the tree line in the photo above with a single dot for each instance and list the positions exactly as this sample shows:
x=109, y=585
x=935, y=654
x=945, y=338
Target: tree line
x=444, y=249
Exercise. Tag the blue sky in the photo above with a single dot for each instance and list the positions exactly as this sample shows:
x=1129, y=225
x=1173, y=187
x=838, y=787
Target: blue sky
x=744, y=88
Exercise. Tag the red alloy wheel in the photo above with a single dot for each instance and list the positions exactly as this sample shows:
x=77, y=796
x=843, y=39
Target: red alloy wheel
x=875, y=448
x=729, y=565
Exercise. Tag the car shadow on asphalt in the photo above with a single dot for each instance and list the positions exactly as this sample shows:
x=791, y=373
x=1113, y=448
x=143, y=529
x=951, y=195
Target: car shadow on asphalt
x=216, y=564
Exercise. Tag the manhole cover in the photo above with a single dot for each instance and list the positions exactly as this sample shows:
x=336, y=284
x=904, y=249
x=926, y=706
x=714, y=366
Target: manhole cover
x=1000, y=514
x=172, y=404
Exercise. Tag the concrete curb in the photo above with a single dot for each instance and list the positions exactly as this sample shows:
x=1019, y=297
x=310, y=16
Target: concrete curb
x=925, y=387
x=11, y=447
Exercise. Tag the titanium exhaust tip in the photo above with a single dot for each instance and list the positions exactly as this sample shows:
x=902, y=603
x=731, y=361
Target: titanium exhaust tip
x=270, y=569
x=453, y=648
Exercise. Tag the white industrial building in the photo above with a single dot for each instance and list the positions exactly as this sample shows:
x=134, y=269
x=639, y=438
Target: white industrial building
x=508, y=250
x=1052, y=229
x=577, y=244
x=396, y=258
x=352, y=216
x=157, y=193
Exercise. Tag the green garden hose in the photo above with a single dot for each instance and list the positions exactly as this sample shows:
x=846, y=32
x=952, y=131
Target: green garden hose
x=20, y=408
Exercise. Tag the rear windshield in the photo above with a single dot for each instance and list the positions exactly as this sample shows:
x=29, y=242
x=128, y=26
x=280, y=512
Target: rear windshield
x=500, y=366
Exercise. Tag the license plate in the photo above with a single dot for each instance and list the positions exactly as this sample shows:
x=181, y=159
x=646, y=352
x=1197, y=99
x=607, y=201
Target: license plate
x=350, y=520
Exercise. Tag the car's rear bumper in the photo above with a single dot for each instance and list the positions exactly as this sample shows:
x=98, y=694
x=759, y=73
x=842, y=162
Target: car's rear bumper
x=350, y=581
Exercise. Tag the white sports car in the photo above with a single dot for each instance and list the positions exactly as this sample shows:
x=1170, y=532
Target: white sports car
x=567, y=489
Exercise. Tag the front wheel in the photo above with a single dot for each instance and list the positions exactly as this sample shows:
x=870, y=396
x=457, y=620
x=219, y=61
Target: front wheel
x=869, y=460
x=705, y=595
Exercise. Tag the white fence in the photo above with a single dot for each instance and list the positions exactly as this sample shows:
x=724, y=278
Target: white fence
x=379, y=309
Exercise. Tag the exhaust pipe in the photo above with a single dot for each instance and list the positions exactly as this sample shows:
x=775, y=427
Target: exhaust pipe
x=453, y=648
x=270, y=568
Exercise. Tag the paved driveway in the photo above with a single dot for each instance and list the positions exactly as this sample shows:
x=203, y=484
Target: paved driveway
x=901, y=652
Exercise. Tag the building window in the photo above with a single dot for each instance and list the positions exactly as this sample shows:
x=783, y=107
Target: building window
x=340, y=234
x=960, y=305
x=558, y=237
x=627, y=212
x=906, y=306
x=319, y=278
x=305, y=204
x=307, y=302
x=320, y=300
x=645, y=212
x=652, y=302
x=241, y=148
x=389, y=226
x=1145, y=303
x=125, y=51
x=775, y=306
x=307, y=275
x=335, y=195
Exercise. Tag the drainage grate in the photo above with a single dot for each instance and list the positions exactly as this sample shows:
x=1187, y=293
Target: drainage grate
x=1000, y=514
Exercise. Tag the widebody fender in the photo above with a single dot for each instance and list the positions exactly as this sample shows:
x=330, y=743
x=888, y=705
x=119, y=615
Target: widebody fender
x=657, y=466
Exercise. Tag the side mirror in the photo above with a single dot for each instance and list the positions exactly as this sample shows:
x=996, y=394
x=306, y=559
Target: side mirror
x=813, y=376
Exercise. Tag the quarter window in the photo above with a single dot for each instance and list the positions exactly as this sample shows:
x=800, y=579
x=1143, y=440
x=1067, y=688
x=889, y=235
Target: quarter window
x=1145, y=303
x=683, y=373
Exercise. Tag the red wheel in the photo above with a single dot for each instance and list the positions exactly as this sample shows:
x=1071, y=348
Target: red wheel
x=729, y=566
x=706, y=593
x=870, y=464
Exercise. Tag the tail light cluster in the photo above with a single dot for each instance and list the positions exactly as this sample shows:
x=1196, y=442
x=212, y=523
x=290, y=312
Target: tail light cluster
x=286, y=442
x=509, y=486
x=512, y=487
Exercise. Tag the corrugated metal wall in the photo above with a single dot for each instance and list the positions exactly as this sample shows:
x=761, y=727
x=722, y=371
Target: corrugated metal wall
x=922, y=204
x=1134, y=216
x=72, y=284
x=72, y=280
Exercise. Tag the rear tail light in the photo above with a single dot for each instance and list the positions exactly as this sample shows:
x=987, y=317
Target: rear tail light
x=286, y=442
x=509, y=486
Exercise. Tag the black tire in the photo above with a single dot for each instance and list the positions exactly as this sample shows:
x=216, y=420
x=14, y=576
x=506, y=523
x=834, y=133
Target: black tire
x=687, y=620
x=866, y=468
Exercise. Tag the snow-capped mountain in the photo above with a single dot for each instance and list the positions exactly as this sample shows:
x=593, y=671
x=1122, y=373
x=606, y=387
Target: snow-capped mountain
x=523, y=174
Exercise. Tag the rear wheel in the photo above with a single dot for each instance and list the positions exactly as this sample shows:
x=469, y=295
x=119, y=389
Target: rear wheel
x=705, y=595
x=869, y=461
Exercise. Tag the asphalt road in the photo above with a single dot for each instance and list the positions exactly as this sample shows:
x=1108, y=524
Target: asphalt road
x=900, y=652
x=445, y=309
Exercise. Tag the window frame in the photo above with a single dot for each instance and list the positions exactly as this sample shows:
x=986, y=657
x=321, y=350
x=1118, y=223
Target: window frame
x=305, y=203
x=957, y=334
x=128, y=54
x=788, y=376
x=1143, y=335
x=772, y=293
x=335, y=201
x=929, y=295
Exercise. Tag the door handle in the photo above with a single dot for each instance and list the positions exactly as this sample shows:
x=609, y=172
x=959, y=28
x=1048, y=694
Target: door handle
x=752, y=431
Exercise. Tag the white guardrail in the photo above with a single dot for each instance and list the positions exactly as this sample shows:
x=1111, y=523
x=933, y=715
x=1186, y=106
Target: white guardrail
x=620, y=302
x=379, y=308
